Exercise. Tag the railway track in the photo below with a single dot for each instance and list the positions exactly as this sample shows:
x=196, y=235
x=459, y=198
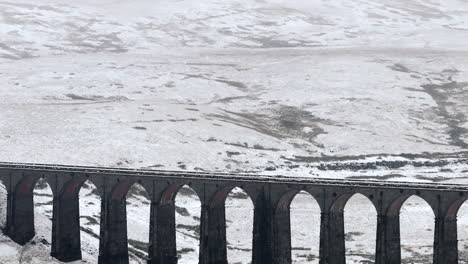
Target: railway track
x=242, y=177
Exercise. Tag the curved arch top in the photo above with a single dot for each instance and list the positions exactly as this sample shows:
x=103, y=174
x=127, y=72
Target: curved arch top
x=340, y=203
x=169, y=194
x=26, y=184
x=287, y=197
x=72, y=187
x=454, y=207
x=395, y=206
x=220, y=196
x=121, y=189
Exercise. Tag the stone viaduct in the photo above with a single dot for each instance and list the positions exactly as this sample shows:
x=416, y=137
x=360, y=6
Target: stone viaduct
x=271, y=196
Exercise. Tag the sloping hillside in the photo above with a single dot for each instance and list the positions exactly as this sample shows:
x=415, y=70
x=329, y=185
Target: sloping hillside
x=325, y=88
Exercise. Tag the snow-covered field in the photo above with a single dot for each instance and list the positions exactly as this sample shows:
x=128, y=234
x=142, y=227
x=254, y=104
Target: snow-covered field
x=372, y=89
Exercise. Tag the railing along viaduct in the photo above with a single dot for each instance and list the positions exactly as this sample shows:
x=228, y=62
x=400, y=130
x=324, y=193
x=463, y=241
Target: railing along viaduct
x=271, y=197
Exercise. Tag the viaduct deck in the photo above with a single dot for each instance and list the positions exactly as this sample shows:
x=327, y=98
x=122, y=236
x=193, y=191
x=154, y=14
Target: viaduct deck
x=271, y=196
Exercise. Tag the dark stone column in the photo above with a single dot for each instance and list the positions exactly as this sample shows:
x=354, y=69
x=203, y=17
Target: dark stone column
x=324, y=239
x=282, y=236
x=162, y=249
x=332, y=240
x=213, y=235
x=262, y=232
x=66, y=243
x=445, y=240
x=388, y=248
x=113, y=247
x=20, y=215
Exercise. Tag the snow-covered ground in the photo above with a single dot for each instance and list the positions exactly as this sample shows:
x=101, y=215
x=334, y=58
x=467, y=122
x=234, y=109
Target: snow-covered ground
x=54, y=27
x=373, y=89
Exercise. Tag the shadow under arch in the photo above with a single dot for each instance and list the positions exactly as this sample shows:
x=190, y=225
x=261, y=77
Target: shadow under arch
x=416, y=217
x=288, y=246
x=360, y=228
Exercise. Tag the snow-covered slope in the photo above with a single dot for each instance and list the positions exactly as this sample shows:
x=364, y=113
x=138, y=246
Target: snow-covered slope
x=327, y=88
x=234, y=110
x=156, y=83
x=32, y=29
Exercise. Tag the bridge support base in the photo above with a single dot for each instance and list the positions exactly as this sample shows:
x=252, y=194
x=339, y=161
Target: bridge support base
x=213, y=235
x=282, y=237
x=162, y=248
x=113, y=247
x=445, y=242
x=20, y=216
x=388, y=250
x=332, y=240
x=66, y=242
x=262, y=232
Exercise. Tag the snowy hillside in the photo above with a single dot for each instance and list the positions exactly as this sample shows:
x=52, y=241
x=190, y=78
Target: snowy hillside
x=325, y=88
x=55, y=27
x=188, y=77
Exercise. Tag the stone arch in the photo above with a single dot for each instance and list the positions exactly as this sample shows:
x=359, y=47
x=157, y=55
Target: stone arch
x=416, y=217
x=20, y=224
x=239, y=215
x=43, y=206
x=137, y=206
x=26, y=185
x=454, y=207
x=360, y=227
x=120, y=189
x=395, y=206
x=89, y=198
x=287, y=197
x=73, y=187
x=169, y=194
x=182, y=203
x=340, y=203
x=295, y=247
x=3, y=182
x=220, y=196
x=3, y=204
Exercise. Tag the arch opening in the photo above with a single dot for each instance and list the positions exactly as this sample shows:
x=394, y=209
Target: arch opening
x=416, y=231
x=36, y=197
x=3, y=205
x=43, y=208
x=239, y=226
x=305, y=228
x=138, y=218
x=188, y=210
x=462, y=225
x=360, y=223
x=90, y=218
